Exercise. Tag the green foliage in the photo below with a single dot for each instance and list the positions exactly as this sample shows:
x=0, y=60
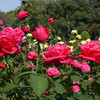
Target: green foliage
x=85, y=35
x=39, y=84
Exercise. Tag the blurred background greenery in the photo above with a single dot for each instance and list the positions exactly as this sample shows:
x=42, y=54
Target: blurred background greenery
x=81, y=15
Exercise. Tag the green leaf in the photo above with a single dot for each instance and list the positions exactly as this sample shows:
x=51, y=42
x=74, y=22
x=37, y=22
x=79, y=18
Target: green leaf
x=39, y=84
x=9, y=87
x=64, y=78
x=76, y=78
x=98, y=81
x=84, y=97
x=85, y=84
x=96, y=88
x=50, y=80
x=22, y=74
x=3, y=96
x=59, y=88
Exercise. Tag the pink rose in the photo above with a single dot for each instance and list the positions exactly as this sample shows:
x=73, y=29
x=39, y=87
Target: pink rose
x=31, y=65
x=75, y=63
x=2, y=65
x=1, y=22
x=19, y=34
x=57, y=55
x=53, y=71
x=41, y=33
x=85, y=67
x=9, y=40
x=51, y=20
x=25, y=29
x=32, y=55
x=90, y=51
x=75, y=88
x=22, y=15
x=90, y=79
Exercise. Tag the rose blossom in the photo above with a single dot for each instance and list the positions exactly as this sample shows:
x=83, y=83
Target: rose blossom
x=25, y=29
x=41, y=33
x=31, y=65
x=1, y=22
x=57, y=55
x=23, y=14
x=75, y=88
x=75, y=63
x=9, y=40
x=90, y=51
x=32, y=55
x=2, y=65
x=53, y=71
x=51, y=20
x=85, y=67
x=90, y=79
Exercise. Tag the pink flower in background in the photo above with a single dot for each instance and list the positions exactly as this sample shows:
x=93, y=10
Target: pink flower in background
x=41, y=33
x=90, y=51
x=32, y=55
x=53, y=71
x=90, y=79
x=76, y=82
x=25, y=29
x=85, y=67
x=75, y=88
x=51, y=20
x=2, y=65
x=57, y=55
x=1, y=22
x=22, y=15
x=31, y=65
x=75, y=63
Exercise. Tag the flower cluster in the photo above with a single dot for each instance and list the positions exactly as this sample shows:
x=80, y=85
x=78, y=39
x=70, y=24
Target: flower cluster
x=83, y=66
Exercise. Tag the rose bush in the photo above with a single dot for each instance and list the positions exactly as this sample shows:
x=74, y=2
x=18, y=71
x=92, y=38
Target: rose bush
x=24, y=77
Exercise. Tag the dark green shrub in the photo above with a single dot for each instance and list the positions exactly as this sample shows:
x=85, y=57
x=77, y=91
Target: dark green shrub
x=85, y=35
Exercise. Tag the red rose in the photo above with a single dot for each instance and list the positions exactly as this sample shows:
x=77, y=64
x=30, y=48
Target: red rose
x=2, y=65
x=51, y=20
x=57, y=55
x=9, y=40
x=25, y=29
x=90, y=51
x=23, y=14
x=41, y=33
